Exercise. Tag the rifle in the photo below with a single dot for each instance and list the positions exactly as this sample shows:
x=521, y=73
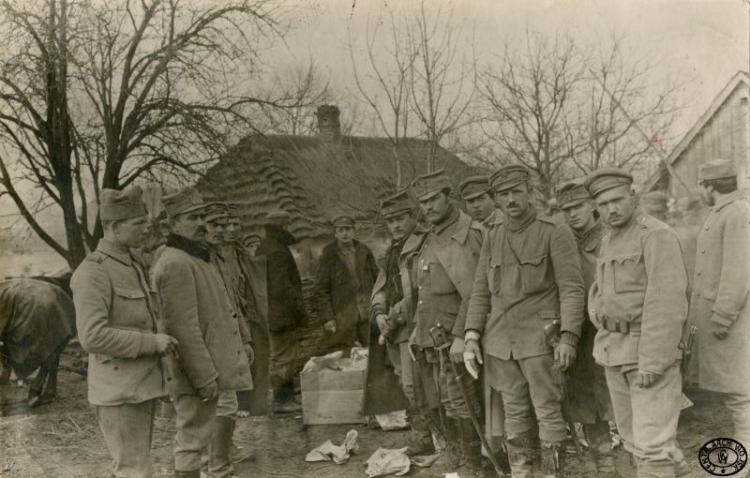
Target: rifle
x=552, y=337
x=440, y=339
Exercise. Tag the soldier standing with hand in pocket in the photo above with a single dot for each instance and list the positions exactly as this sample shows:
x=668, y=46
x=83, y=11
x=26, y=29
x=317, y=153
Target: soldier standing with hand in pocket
x=117, y=324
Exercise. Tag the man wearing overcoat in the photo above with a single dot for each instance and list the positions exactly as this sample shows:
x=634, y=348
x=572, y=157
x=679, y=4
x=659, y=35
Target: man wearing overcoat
x=198, y=312
x=443, y=272
x=720, y=302
x=529, y=275
x=639, y=305
x=392, y=310
x=588, y=396
x=118, y=325
x=345, y=277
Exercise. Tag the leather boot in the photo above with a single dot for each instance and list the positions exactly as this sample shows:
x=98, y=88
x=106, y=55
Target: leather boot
x=471, y=447
x=453, y=444
x=219, y=462
x=521, y=456
x=187, y=474
x=550, y=466
x=420, y=437
x=238, y=454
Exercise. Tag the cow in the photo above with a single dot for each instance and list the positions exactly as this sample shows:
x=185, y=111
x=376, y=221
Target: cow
x=37, y=320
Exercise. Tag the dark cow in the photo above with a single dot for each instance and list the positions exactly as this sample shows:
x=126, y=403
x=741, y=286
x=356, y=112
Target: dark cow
x=37, y=320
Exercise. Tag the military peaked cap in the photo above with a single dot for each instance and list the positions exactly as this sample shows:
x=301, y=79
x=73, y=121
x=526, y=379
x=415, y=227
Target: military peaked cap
x=278, y=217
x=508, y=177
x=216, y=210
x=429, y=185
x=716, y=169
x=396, y=204
x=474, y=187
x=116, y=205
x=604, y=179
x=183, y=201
x=572, y=193
x=343, y=220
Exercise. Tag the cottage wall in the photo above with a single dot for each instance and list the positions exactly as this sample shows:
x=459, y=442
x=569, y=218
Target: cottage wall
x=724, y=136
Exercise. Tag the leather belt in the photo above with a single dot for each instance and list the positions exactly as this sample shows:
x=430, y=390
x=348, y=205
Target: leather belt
x=620, y=326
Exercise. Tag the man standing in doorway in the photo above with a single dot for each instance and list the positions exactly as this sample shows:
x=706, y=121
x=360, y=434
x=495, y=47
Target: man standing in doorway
x=719, y=305
x=639, y=306
x=286, y=309
x=588, y=396
x=344, y=281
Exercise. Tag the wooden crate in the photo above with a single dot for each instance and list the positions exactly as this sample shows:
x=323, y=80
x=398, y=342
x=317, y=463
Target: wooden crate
x=332, y=396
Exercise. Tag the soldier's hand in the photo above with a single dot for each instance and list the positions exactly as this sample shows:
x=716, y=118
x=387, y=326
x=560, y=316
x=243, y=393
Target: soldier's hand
x=646, y=379
x=250, y=353
x=383, y=325
x=330, y=326
x=720, y=331
x=565, y=355
x=209, y=392
x=457, y=350
x=473, y=357
x=166, y=344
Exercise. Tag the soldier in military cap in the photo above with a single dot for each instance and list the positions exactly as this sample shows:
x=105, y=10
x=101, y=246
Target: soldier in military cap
x=343, y=285
x=392, y=310
x=237, y=284
x=199, y=312
x=119, y=326
x=720, y=301
x=480, y=204
x=528, y=277
x=444, y=269
x=588, y=396
x=638, y=304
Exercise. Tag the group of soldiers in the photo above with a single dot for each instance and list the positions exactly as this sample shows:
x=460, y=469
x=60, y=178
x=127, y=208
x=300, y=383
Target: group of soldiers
x=504, y=326
x=208, y=318
x=534, y=324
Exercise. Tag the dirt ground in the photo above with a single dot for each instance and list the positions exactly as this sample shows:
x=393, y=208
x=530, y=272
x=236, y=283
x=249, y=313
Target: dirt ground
x=62, y=439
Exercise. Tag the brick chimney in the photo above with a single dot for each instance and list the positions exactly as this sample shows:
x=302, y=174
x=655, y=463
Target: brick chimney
x=328, y=122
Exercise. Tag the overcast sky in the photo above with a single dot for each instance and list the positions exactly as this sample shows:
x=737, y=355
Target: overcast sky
x=701, y=42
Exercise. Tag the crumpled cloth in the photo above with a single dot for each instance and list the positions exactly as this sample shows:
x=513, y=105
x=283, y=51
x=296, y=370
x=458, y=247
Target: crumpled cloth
x=393, y=420
x=339, y=454
x=394, y=461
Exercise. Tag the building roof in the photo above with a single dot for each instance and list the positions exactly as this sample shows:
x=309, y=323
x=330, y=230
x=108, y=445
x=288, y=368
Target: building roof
x=737, y=80
x=315, y=177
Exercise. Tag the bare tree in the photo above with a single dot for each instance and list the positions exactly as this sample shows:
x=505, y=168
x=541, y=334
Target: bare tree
x=525, y=100
x=302, y=88
x=386, y=75
x=127, y=90
x=440, y=80
x=563, y=112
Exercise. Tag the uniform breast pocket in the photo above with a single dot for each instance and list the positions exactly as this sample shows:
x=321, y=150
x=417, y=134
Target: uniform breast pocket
x=534, y=274
x=629, y=273
x=440, y=283
x=493, y=278
x=130, y=307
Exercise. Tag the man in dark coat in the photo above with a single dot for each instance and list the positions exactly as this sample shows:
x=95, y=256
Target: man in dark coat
x=286, y=308
x=588, y=396
x=344, y=281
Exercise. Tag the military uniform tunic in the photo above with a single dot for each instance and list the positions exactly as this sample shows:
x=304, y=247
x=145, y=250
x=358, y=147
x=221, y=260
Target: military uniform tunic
x=639, y=306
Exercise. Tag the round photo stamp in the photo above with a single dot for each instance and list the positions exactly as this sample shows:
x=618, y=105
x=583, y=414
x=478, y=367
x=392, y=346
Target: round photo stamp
x=722, y=457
